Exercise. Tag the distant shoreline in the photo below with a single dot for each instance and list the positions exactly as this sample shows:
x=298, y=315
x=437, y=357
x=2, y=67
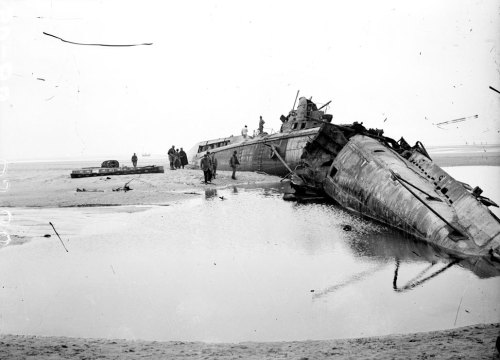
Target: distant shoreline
x=434, y=151
x=466, y=159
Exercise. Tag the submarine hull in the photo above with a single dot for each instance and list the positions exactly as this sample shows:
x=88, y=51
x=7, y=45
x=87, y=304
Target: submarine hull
x=413, y=195
x=257, y=154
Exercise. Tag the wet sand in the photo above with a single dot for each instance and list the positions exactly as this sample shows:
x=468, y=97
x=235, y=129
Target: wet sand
x=56, y=189
x=472, y=342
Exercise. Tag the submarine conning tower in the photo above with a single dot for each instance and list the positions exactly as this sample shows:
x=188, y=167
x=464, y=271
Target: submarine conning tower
x=306, y=116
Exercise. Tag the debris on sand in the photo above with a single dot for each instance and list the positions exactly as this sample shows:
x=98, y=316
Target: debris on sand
x=347, y=228
x=53, y=227
x=125, y=187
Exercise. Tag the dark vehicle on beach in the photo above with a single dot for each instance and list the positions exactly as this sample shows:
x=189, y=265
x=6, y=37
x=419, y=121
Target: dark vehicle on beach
x=110, y=164
x=375, y=176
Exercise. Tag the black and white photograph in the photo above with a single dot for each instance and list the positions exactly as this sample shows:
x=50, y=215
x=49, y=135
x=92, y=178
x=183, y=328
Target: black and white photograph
x=216, y=179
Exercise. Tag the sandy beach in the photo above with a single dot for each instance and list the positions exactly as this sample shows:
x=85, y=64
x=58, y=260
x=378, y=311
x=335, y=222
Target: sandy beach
x=472, y=342
x=53, y=188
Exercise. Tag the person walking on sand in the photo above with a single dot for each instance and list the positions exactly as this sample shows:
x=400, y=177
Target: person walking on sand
x=171, y=157
x=205, y=167
x=184, y=158
x=134, y=160
x=234, y=162
x=244, y=132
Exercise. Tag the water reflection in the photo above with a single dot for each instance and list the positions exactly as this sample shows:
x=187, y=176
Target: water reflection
x=257, y=269
x=352, y=280
x=375, y=242
x=390, y=245
x=210, y=194
x=418, y=279
x=382, y=245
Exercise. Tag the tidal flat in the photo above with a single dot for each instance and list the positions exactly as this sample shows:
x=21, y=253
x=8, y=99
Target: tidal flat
x=227, y=263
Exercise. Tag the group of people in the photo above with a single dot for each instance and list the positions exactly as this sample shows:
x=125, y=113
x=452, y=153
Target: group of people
x=177, y=158
x=244, y=131
x=208, y=165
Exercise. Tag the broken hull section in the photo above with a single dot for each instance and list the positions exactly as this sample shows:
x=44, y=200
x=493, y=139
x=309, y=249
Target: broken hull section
x=413, y=195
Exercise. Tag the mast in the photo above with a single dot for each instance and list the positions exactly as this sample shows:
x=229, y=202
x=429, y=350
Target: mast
x=293, y=108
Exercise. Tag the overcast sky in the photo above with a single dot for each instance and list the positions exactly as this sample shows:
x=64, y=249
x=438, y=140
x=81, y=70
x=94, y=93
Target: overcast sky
x=215, y=66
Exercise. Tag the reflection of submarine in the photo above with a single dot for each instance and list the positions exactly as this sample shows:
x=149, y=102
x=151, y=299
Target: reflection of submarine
x=389, y=245
x=385, y=180
x=392, y=245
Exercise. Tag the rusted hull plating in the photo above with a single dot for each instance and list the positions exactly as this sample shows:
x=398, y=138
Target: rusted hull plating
x=257, y=155
x=413, y=195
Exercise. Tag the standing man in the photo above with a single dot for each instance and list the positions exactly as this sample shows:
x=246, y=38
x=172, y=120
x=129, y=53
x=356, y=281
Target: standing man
x=171, y=157
x=261, y=125
x=184, y=158
x=134, y=160
x=177, y=159
x=214, y=165
x=234, y=163
x=210, y=166
x=205, y=166
x=244, y=132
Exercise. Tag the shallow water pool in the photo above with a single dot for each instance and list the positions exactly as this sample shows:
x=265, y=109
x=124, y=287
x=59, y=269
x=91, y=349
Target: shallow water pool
x=232, y=265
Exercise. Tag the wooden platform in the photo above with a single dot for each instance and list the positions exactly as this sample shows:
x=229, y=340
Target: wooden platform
x=89, y=172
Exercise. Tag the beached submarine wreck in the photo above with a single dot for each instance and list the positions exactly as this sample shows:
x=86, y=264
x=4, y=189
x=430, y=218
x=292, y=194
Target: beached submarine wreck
x=373, y=175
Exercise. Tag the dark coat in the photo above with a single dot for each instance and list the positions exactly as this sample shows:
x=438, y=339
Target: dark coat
x=214, y=162
x=205, y=163
x=184, y=158
x=234, y=161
